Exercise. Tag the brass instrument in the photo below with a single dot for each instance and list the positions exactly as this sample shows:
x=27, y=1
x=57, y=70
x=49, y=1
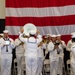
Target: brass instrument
x=42, y=42
x=28, y=27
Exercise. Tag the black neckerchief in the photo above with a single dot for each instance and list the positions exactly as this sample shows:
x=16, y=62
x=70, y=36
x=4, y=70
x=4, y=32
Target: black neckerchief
x=6, y=39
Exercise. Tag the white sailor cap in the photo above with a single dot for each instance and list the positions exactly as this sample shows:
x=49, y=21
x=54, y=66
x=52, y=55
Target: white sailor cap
x=39, y=36
x=58, y=35
x=5, y=31
x=19, y=32
x=53, y=36
x=1, y=34
x=48, y=34
x=73, y=36
x=32, y=32
x=72, y=33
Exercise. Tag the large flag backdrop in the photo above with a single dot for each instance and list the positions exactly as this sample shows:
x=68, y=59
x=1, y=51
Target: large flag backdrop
x=50, y=16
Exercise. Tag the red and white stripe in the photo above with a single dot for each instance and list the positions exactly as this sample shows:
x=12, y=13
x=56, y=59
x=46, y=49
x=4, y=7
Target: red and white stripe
x=50, y=16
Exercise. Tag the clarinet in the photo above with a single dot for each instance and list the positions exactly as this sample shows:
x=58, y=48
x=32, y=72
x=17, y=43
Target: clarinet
x=6, y=39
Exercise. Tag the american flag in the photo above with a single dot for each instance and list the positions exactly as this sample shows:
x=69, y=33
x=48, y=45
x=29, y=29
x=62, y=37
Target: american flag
x=49, y=16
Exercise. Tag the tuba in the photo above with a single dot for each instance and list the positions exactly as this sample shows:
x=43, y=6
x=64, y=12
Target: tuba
x=28, y=27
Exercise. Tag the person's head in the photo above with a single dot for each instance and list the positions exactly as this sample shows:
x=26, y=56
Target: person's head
x=32, y=33
x=53, y=38
x=21, y=30
x=48, y=38
x=6, y=33
x=58, y=37
x=73, y=38
x=1, y=35
x=37, y=32
x=73, y=33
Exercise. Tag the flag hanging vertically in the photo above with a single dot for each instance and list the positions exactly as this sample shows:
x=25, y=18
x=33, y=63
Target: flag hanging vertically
x=50, y=16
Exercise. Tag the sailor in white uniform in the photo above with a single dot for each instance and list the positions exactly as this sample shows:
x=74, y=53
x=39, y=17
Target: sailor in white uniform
x=69, y=44
x=40, y=58
x=31, y=52
x=1, y=37
x=20, y=49
x=61, y=55
x=73, y=59
x=55, y=50
x=6, y=54
x=73, y=55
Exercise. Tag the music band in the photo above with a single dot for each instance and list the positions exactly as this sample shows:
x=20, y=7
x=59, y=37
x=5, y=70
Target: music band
x=34, y=48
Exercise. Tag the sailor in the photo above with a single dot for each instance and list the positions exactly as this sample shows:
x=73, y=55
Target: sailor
x=40, y=58
x=54, y=53
x=31, y=53
x=69, y=44
x=20, y=50
x=6, y=53
x=61, y=55
x=1, y=37
x=72, y=49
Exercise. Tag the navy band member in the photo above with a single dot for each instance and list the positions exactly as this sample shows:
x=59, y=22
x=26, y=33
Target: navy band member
x=31, y=52
x=6, y=54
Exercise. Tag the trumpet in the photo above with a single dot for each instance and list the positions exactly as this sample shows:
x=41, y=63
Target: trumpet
x=42, y=42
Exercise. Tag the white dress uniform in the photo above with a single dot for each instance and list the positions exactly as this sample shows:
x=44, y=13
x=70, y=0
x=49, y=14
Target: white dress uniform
x=69, y=44
x=61, y=58
x=54, y=59
x=40, y=60
x=20, y=49
x=44, y=46
x=31, y=54
x=73, y=59
x=6, y=56
x=0, y=53
x=70, y=47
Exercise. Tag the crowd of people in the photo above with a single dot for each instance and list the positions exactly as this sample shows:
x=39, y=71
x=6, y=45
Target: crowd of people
x=33, y=48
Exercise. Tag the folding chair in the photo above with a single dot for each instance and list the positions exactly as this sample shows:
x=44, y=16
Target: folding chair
x=46, y=67
x=64, y=71
x=23, y=66
x=68, y=67
x=15, y=67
